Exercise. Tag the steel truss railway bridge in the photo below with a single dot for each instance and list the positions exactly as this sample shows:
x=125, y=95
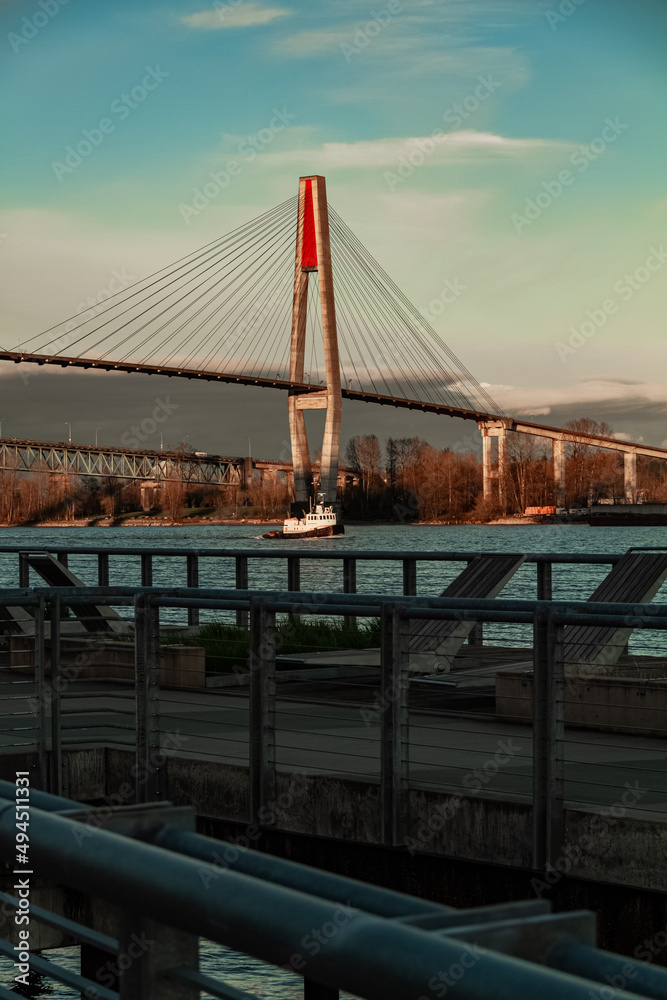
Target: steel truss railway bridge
x=257, y=307
x=120, y=463
x=128, y=463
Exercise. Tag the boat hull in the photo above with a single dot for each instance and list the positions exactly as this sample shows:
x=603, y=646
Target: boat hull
x=324, y=532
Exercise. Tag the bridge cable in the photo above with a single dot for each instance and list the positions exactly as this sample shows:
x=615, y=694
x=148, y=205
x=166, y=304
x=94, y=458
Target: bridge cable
x=428, y=330
x=370, y=293
x=221, y=288
x=126, y=294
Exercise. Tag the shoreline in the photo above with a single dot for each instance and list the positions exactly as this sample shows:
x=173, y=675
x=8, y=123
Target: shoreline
x=142, y=522
x=158, y=522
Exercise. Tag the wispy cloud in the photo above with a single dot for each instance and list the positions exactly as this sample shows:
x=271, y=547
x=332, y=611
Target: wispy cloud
x=458, y=147
x=224, y=15
x=608, y=398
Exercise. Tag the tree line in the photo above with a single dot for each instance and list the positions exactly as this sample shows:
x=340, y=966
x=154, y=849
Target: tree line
x=412, y=480
x=407, y=479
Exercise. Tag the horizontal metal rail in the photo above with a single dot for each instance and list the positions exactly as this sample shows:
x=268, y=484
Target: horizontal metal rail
x=373, y=957
x=290, y=875
x=565, y=954
x=640, y=614
x=240, y=560
x=307, y=554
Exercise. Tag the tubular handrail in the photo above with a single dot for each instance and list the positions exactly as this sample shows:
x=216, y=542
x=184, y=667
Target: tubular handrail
x=638, y=615
x=372, y=957
x=124, y=594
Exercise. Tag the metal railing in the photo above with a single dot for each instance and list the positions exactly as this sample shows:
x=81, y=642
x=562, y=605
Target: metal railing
x=237, y=562
x=160, y=888
x=516, y=738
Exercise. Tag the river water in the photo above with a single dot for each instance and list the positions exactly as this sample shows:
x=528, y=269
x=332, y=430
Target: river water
x=318, y=576
x=382, y=577
x=571, y=581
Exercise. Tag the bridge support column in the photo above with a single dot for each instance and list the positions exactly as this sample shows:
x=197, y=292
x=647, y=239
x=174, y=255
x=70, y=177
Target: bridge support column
x=630, y=476
x=303, y=473
x=502, y=469
x=313, y=253
x=559, y=471
x=487, y=465
x=494, y=429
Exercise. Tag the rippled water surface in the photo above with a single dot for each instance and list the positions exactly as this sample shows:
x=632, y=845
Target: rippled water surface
x=238, y=971
x=319, y=576
x=322, y=575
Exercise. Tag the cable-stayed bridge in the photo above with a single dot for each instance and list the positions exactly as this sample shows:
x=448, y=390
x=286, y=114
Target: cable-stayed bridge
x=294, y=301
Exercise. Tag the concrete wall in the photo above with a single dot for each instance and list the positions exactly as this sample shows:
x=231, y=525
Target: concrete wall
x=616, y=845
x=92, y=656
x=615, y=704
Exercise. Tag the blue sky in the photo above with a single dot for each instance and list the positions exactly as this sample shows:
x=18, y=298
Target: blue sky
x=546, y=86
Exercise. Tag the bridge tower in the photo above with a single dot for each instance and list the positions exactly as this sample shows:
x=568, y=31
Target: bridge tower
x=313, y=255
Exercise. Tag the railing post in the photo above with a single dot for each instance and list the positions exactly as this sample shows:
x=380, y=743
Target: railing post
x=262, y=707
x=548, y=739
x=350, y=585
x=410, y=576
x=242, y=584
x=148, y=757
x=316, y=991
x=192, y=561
x=294, y=580
x=476, y=634
x=24, y=570
x=94, y=961
x=62, y=557
x=544, y=580
x=394, y=725
x=293, y=573
x=146, y=570
x=42, y=694
x=56, y=783
x=103, y=569
x=160, y=949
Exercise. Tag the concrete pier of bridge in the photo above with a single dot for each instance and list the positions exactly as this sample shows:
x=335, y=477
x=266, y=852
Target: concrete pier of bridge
x=495, y=468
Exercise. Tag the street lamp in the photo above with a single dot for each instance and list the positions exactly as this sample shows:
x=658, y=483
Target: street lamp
x=96, y=430
x=249, y=446
x=67, y=424
x=160, y=433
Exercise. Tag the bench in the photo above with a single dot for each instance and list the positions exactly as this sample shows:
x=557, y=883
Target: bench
x=635, y=579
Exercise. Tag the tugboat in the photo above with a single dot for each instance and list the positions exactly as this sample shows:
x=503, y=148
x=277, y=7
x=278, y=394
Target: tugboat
x=318, y=523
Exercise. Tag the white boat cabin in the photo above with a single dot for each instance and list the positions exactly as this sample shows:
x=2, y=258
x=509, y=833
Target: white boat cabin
x=321, y=517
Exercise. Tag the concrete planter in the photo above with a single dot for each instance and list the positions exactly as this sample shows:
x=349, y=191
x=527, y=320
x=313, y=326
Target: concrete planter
x=95, y=657
x=615, y=704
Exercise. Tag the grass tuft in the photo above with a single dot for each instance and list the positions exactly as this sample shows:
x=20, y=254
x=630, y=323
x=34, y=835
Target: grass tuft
x=227, y=646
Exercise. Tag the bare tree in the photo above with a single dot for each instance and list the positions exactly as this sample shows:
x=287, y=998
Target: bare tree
x=364, y=456
x=590, y=472
x=527, y=483
x=173, y=495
